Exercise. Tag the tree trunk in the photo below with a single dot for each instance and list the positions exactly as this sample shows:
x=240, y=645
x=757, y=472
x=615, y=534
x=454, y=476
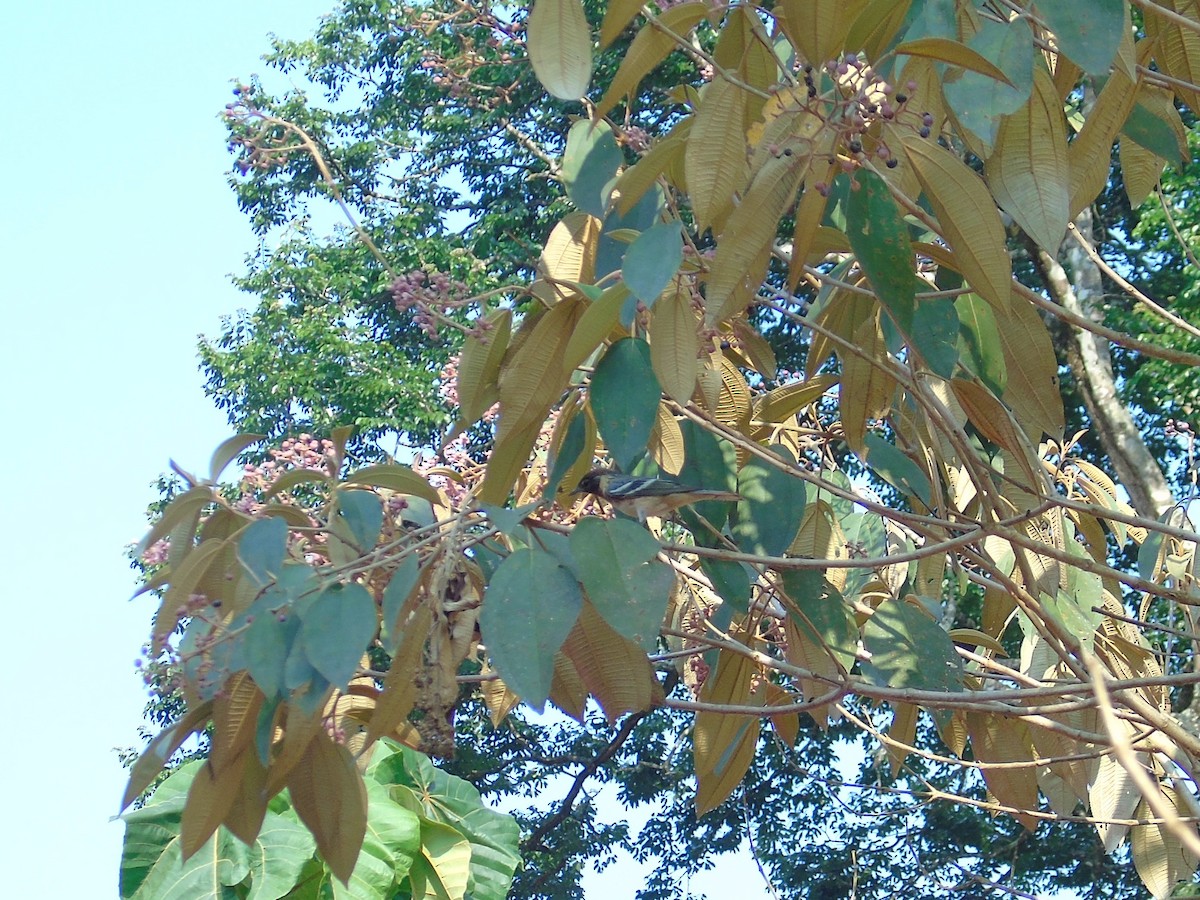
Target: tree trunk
x=1091, y=364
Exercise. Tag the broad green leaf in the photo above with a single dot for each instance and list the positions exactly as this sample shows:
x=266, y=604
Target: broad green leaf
x=279, y=856
x=772, y=506
x=494, y=836
x=529, y=608
x=730, y=579
x=822, y=614
x=909, y=650
x=1088, y=33
x=652, y=261
x=710, y=464
x=560, y=47
x=621, y=227
x=262, y=548
x=265, y=648
x=394, y=477
x=979, y=346
x=569, y=455
x=228, y=450
x=152, y=866
x=615, y=560
x=442, y=871
x=401, y=584
x=1154, y=134
x=980, y=102
x=589, y=165
x=624, y=399
x=879, y=236
x=362, y=511
x=934, y=334
x=336, y=629
x=898, y=470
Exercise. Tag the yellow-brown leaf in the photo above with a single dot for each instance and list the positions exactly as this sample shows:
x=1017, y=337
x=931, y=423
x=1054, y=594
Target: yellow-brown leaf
x=479, y=367
x=715, y=160
x=966, y=215
x=235, y=717
x=329, y=797
x=611, y=667
x=209, y=799
x=1028, y=170
x=675, y=344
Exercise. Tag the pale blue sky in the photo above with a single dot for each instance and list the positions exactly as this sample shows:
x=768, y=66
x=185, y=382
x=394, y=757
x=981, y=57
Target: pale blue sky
x=117, y=237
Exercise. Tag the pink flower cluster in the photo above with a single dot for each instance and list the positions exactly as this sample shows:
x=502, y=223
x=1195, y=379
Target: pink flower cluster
x=428, y=296
x=303, y=452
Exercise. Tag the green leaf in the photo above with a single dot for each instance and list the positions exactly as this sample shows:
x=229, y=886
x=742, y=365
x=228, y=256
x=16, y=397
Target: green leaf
x=152, y=865
x=403, y=580
x=336, y=630
x=731, y=581
x=362, y=511
x=624, y=399
x=610, y=251
x=1153, y=133
x=452, y=801
x=710, y=464
x=909, y=650
x=822, y=614
x=509, y=521
x=568, y=452
x=879, y=238
x=230, y=448
x=262, y=547
x=772, y=506
x=934, y=334
x=898, y=470
x=265, y=648
x=652, y=261
x=279, y=856
x=614, y=558
x=529, y=608
x=589, y=165
x=1088, y=33
x=980, y=349
x=978, y=101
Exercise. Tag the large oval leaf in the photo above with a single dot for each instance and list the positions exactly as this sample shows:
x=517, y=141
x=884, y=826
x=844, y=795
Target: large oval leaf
x=560, y=47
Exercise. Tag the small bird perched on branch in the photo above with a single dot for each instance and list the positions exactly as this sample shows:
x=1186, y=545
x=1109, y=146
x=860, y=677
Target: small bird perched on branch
x=644, y=497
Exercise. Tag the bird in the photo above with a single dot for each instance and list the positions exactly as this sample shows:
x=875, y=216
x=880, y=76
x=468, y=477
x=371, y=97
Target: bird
x=643, y=497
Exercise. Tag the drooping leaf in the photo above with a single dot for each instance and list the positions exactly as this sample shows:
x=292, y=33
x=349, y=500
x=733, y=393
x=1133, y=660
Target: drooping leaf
x=328, y=794
x=979, y=101
x=615, y=560
x=886, y=460
x=772, y=505
x=879, y=236
x=648, y=49
x=394, y=477
x=362, y=512
x=398, y=589
x=589, y=164
x=1028, y=172
x=909, y=650
x=560, y=47
x=652, y=261
x=335, y=630
x=624, y=399
x=1088, y=33
x=228, y=450
x=262, y=548
x=979, y=344
x=530, y=606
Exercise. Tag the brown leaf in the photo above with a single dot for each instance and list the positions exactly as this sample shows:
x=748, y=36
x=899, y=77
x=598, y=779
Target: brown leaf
x=611, y=667
x=209, y=800
x=329, y=797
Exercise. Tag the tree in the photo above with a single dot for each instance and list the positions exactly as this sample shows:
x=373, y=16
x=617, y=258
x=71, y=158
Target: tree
x=753, y=201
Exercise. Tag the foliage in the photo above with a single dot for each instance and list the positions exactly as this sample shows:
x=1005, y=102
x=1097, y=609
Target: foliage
x=837, y=176
x=423, y=832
